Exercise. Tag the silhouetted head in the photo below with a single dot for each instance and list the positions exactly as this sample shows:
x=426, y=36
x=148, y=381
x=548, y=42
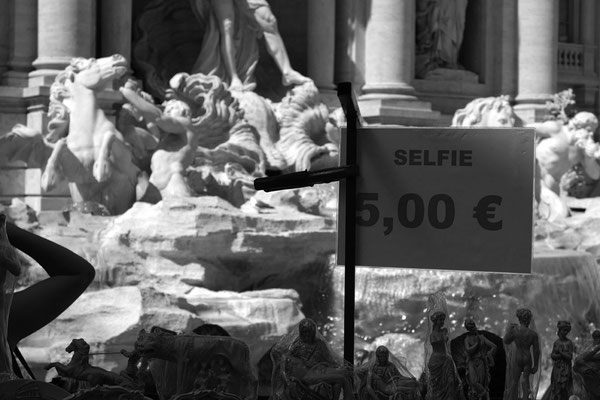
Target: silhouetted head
x=438, y=318
x=307, y=329
x=596, y=336
x=382, y=354
x=524, y=316
x=79, y=346
x=211, y=330
x=470, y=325
x=563, y=328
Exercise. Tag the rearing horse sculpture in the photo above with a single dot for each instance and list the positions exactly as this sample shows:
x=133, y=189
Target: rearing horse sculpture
x=79, y=367
x=92, y=156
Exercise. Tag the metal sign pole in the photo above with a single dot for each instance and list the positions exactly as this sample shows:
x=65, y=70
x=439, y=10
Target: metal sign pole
x=349, y=173
x=348, y=101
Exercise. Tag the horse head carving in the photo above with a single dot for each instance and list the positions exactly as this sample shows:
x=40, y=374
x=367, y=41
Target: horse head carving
x=97, y=73
x=87, y=149
x=79, y=346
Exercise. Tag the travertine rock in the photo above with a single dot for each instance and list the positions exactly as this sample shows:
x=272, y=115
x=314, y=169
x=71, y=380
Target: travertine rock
x=110, y=319
x=183, y=262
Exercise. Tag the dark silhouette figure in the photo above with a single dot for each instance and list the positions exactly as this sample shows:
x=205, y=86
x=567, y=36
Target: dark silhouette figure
x=39, y=304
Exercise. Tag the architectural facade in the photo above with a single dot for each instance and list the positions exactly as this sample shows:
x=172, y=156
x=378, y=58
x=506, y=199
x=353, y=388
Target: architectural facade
x=527, y=49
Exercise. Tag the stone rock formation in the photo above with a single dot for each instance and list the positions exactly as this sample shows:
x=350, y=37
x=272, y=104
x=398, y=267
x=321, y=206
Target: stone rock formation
x=184, y=262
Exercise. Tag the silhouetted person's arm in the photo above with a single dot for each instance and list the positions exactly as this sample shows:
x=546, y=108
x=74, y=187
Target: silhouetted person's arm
x=39, y=304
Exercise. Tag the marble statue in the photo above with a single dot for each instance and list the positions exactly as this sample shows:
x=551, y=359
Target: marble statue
x=443, y=382
x=440, y=375
x=214, y=141
x=587, y=366
x=523, y=357
x=563, y=145
x=93, y=156
x=215, y=364
x=440, y=27
x=200, y=125
x=176, y=145
x=480, y=353
x=496, y=112
x=88, y=151
x=202, y=140
x=229, y=47
x=561, y=380
x=387, y=378
x=303, y=365
x=303, y=135
x=493, y=112
x=471, y=371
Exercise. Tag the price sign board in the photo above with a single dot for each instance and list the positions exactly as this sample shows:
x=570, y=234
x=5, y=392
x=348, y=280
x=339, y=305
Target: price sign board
x=443, y=198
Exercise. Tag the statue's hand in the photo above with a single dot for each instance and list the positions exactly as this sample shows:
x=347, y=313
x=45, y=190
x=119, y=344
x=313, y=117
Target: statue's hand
x=591, y=149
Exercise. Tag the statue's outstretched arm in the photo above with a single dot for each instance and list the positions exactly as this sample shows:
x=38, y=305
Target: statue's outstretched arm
x=153, y=114
x=546, y=129
x=39, y=304
x=148, y=111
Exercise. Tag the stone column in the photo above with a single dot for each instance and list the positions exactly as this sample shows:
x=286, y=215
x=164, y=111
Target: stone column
x=321, y=42
x=23, y=42
x=587, y=35
x=389, y=96
x=509, y=48
x=344, y=41
x=537, y=64
x=66, y=29
x=588, y=21
x=115, y=35
x=4, y=34
x=389, y=48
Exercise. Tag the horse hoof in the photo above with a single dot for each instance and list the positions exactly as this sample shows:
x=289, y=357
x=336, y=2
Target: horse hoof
x=48, y=182
x=101, y=171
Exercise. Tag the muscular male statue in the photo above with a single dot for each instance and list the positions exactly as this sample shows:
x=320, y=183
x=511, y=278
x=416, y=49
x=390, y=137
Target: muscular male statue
x=225, y=13
x=522, y=365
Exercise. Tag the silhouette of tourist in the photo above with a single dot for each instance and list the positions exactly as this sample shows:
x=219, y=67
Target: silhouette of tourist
x=34, y=307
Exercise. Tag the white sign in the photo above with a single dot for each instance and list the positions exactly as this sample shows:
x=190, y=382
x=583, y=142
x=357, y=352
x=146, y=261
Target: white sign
x=443, y=198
